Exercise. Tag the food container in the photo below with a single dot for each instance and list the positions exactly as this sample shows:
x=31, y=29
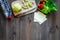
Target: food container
x=25, y=11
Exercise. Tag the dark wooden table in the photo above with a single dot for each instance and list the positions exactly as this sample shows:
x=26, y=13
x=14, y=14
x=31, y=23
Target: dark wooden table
x=24, y=28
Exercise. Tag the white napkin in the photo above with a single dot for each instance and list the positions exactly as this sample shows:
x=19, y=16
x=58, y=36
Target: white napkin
x=39, y=17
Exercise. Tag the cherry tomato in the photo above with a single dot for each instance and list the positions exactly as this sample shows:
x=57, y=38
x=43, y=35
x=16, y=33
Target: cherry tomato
x=41, y=0
x=40, y=6
x=9, y=17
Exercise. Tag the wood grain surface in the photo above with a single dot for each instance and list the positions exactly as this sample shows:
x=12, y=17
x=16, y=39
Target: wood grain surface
x=24, y=28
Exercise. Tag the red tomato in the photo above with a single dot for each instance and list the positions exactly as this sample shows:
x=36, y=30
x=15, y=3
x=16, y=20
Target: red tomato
x=9, y=17
x=42, y=0
x=40, y=6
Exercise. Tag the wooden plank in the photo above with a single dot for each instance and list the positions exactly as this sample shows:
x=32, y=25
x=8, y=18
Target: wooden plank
x=25, y=27
x=58, y=21
x=2, y=26
x=52, y=26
